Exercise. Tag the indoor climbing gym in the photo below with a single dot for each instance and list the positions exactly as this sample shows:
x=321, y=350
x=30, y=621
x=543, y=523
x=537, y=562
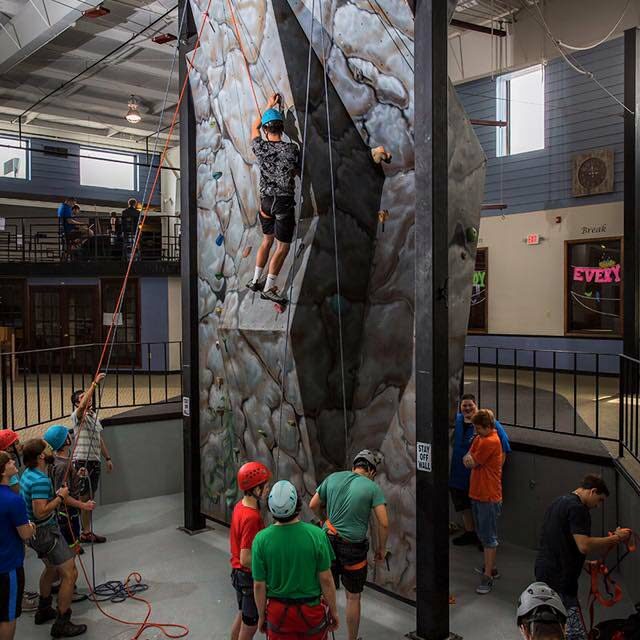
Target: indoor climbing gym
x=320, y=319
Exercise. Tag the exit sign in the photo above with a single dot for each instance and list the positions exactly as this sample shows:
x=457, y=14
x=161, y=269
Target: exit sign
x=533, y=238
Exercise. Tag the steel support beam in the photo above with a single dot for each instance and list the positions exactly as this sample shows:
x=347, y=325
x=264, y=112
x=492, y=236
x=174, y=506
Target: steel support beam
x=471, y=26
x=193, y=518
x=431, y=320
x=631, y=247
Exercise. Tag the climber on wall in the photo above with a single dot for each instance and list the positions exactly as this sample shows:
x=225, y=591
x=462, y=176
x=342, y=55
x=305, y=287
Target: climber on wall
x=279, y=163
x=348, y=497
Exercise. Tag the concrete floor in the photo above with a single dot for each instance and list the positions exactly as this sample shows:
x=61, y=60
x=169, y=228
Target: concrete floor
x=189, y=582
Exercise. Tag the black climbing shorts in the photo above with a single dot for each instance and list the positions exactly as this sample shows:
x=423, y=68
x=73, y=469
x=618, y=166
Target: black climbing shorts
x=347, y=554
x=460, y=499
x=243, y=584
x=279, y=217
x=11, y=590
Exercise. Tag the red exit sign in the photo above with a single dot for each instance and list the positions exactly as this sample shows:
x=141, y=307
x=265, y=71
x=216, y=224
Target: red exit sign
x=533, y=238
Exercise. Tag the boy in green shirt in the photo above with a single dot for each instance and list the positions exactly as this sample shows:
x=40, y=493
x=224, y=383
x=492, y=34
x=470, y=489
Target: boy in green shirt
x=291, y=566
x=348, y=497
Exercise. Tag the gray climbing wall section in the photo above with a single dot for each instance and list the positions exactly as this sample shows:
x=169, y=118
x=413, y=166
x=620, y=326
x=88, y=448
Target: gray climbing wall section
x=298, y=426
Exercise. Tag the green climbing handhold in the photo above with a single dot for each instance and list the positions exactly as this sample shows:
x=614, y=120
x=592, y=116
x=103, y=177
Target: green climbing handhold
x=219, y=275
x=262, y=433
x=472, y=234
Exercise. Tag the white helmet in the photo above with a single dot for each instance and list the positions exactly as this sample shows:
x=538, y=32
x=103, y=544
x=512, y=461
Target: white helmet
x=283, y=499
x=540, y=603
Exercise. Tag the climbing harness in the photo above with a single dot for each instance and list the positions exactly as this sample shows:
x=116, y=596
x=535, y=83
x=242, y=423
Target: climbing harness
x=348, y=548
x=600, y=573
x=286, y=604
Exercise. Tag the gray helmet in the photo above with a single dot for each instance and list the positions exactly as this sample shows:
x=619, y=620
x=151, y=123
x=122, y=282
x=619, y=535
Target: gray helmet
x=283, y=499
x=540, y=603
x=374, y=458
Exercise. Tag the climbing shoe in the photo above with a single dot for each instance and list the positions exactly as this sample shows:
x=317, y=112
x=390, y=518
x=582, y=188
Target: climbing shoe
x=91, y=537
x=45, y=612
x=273, y=295
x=64, y=628
x=256, y=285
x=467, y=538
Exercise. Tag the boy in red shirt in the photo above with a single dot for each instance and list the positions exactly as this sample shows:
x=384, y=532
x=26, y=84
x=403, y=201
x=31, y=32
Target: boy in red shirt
x=246, y=522
x=485, y=461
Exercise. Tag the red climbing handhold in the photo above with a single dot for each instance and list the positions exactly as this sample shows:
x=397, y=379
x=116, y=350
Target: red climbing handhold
x=280, y=307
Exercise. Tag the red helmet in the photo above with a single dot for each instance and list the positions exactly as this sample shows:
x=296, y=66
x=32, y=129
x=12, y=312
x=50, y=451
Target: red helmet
x=252, y=474
x=7, y=438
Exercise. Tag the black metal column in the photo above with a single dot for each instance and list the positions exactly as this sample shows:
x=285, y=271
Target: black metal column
x=631, y=249
x=431, y=321
x=193, y=518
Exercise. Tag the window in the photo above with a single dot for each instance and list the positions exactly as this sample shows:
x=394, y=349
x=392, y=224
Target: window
x=107, y=169
x=521, y=104
x=479, y=305
x=12, y=308
x=126, y=351
x=14, y=158
x=593, y=287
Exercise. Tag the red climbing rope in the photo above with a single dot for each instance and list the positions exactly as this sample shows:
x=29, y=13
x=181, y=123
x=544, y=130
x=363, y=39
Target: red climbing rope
x=135, y=576
x=244, y=55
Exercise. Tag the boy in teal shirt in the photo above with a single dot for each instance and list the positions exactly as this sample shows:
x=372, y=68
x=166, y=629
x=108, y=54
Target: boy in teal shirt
x=348, y=497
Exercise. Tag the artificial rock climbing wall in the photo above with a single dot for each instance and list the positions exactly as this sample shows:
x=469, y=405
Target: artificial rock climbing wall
x=328, y=406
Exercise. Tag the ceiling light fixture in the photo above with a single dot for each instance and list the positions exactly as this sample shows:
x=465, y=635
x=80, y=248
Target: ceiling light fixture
x=133, y=115
x=96, y=12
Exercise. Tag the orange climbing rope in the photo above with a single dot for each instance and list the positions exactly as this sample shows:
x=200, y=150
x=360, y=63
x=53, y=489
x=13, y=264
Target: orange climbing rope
x=182, y=630
x=244, y=55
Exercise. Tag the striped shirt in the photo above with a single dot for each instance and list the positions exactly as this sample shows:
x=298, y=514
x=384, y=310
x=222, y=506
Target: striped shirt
x=88, y=438
x=36, y=485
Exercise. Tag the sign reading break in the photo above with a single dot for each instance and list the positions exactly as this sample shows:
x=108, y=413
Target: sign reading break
x=423, y=456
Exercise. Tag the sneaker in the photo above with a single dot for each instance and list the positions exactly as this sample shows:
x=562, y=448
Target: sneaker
x=29, y=602
x=273, y=295
x=256, y=286
x=64, y=628
x=467, y=538
x=92, y=537
x=495, y=574
x=485, y=586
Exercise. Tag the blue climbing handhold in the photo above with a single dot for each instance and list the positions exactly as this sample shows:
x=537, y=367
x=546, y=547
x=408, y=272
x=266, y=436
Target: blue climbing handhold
x=217, y=175
x=219, y=239
x=339, y=305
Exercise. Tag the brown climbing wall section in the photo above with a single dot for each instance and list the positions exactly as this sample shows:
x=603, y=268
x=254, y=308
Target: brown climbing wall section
x=299, y=428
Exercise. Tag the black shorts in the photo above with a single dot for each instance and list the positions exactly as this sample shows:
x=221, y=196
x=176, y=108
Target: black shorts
x=347, y=554
x=460, y=499
x=279, y=217
x=243, y=584
x=89, y=485
x=11, y=591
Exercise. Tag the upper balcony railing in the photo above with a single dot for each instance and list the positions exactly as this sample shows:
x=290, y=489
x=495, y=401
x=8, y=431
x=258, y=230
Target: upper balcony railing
x=104, y=239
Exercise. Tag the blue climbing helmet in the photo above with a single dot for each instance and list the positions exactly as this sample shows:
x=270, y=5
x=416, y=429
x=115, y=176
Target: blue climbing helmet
x=283, y=499
x=271, y=115
x=56, y=436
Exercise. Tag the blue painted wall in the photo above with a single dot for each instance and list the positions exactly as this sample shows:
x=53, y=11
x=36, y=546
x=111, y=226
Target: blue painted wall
x=579, y=116
x=54, y=177
x=154, y=320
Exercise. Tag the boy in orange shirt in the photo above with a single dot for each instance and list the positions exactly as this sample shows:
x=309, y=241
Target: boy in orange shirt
x=485, y=461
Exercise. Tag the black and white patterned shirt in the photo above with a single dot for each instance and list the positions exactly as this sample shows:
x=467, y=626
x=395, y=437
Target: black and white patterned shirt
x=278, y=162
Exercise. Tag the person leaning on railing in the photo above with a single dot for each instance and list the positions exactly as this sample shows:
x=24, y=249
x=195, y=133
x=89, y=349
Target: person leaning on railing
x=88, y=451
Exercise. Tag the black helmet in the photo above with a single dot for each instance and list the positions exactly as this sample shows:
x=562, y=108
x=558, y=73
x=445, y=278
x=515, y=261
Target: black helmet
x=540, y=603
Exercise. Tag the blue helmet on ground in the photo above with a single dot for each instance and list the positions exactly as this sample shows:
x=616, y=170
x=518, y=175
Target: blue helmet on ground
x=283, y=499
x=56, y=436
x=271, y=115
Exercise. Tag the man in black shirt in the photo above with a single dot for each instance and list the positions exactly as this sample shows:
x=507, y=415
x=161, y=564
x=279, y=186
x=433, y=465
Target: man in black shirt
x=565, y=542
x=130, y=218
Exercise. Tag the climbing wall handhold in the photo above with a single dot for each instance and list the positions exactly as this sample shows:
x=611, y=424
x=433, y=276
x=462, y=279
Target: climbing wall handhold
x=263, y=433
x=220, y=410
x=219, y=382
x=217, y=345
x=217, y=175
x=218, y=311
x=219, y=239
x=280, y=307
x=219, y=275
x=383, y=216
x=246, y=252
x=380, y=154
x=471, y=234
x=291, y=422
x=339, y=305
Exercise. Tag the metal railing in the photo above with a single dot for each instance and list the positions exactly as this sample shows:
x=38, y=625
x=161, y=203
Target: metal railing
x=36, y=385
x=566, y=392
x=629, y=419
x=94, y=238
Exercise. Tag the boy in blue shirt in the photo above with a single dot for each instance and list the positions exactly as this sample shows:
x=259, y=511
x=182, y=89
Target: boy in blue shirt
x=460, y=476
x=15, y=527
